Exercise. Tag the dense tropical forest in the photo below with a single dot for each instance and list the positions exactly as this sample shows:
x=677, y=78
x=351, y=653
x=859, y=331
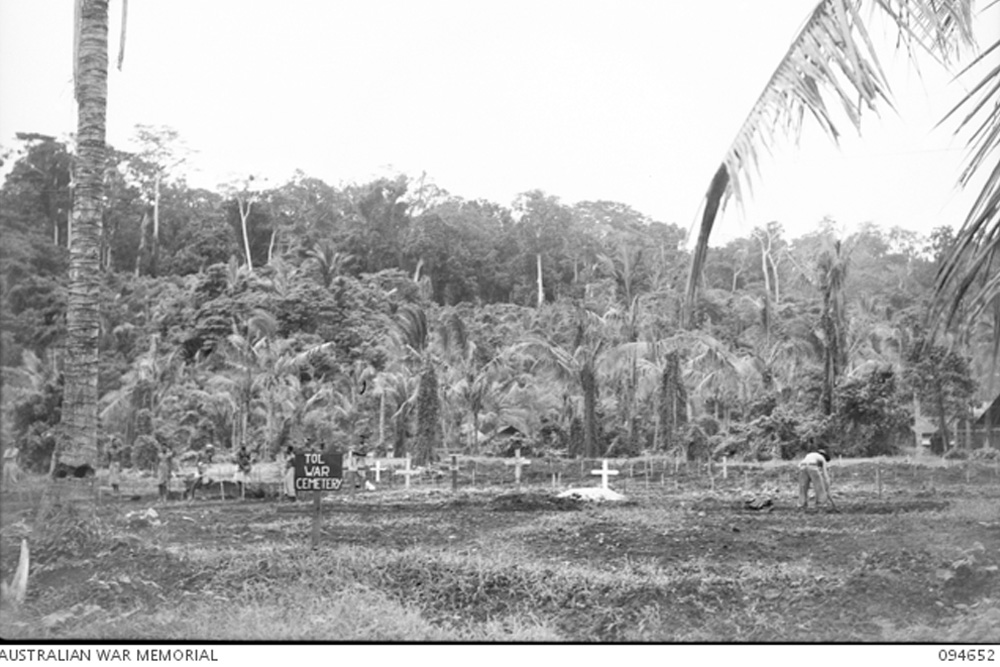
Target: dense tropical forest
x=394, y=317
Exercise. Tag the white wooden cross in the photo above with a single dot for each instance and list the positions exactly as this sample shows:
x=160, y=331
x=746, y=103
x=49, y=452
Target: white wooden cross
x=378, y=470
x=517, y=462
x=604, y=473
x=408, y=472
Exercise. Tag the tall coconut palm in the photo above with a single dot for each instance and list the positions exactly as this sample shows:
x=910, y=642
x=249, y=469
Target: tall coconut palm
x=78, y=445
x=347, y=396
x=413, y=335
x=261, y=371
x=327, y=262
x=144, y=387
x=832, y=272
x=577, y=363
x=397, y=390
x=833, y=53
x=478, y=387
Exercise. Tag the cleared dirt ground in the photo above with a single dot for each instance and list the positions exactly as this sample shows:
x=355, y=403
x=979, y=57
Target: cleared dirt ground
x=684, y=559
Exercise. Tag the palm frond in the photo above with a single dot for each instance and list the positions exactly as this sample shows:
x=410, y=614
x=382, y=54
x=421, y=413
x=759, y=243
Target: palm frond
x=964, y=283
x=832, y=56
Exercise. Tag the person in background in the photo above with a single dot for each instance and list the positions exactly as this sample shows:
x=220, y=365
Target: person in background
x=11, y=466
x=290, y=473
x=243, y=468
x=209, y=453
x=199, y=480
x=812, y=471
x=166, y=469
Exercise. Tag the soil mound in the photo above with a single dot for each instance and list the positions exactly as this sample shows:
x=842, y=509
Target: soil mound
x=533, y=502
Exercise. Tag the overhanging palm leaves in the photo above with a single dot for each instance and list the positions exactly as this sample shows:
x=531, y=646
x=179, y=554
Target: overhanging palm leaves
x=832, y=54
x=971, y=269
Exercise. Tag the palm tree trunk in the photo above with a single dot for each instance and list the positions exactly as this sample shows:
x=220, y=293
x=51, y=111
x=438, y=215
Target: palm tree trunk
x=79, y=412
x=942, y=418
x=399, y=444
x=428, y=409
x=589, y=384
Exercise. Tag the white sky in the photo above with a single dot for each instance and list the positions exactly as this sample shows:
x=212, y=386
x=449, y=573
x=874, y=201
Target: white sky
x=626, y=100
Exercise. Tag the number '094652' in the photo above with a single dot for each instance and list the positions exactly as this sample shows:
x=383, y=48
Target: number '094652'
x=967, y=655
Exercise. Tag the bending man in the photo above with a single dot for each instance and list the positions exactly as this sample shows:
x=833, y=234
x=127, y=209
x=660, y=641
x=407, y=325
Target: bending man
x=812, y=470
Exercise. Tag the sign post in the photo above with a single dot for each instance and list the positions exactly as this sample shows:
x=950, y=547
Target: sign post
x=318, y=472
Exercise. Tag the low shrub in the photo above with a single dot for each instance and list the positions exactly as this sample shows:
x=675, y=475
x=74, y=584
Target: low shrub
x=985, y=454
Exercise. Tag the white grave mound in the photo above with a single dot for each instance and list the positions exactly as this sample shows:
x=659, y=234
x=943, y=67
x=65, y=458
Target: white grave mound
x=603, y=492
x=592, y=493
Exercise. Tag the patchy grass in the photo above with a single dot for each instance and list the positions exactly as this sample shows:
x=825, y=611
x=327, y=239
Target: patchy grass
x=684, y=561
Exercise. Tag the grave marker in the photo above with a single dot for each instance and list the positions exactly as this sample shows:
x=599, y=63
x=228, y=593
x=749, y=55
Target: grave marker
x=517, y=462
x=454, y=472
x=725, y=470
x=316, y=472
x=407, y=472
x=378, y=471
x=604, y=473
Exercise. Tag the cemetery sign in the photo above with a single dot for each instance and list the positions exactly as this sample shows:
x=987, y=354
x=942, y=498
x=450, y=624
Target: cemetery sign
x=315, y=471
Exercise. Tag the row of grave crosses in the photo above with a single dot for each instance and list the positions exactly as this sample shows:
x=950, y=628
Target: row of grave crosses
x=518, y=462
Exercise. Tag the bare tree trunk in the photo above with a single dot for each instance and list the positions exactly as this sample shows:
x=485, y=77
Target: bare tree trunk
x=541, y=290
x=767, y=289
x=475, y=433
x=244, y=216
x=142, y=242
x=78, y=445
x=381, y=422
x=155, y=255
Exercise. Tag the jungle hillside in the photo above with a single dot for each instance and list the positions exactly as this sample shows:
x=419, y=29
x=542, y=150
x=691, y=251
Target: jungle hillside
x=393, y=317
